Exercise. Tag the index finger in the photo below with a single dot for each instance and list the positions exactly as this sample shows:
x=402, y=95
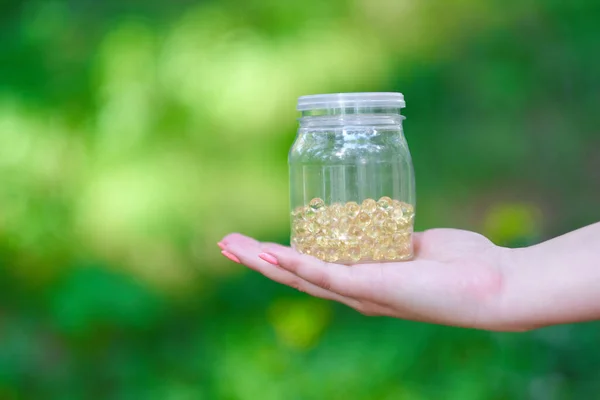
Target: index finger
x=337, y=278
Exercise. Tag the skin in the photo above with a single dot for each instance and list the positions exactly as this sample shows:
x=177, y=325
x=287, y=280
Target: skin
x=456, y=278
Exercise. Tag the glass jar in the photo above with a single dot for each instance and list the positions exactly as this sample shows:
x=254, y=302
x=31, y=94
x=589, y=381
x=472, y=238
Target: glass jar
x=352, y=189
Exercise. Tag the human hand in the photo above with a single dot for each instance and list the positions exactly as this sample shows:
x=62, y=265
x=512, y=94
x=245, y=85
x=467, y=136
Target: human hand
x=456, y=278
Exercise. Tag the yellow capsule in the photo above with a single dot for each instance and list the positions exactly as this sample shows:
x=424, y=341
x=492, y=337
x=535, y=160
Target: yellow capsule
x=396, y=203
x=384, y=203
x=390, y=227
x=363, y=220
x=384, y=241
x=310, y=216
x=300, y=227
x=316, y=204
x=337, y=232
x=405, y=252
x=390, y=253
x=311, y=227
x=309, y=240
x=350, y=241
x=331, y=255
x=307, y=212
x=378, y=254
x=372, y=232
x=403, y=225
x=397, y=214
x=379, y=217
x=322, y=241
x=338, y=243
x=340, y=226
x=343, y=222
x=367, y=244
x=323, y=231
x=297, y=213
x=369, y=206
x=405, y=246
x=366, y=253
x=407, y=220
x=323, y=219
x=355, y=231
x=352, y=209
x=320, y=254
x=297, y=239
x=400, y=237
x=300, y=248
x=407, y=210
x=336, y=210
x=353, y=253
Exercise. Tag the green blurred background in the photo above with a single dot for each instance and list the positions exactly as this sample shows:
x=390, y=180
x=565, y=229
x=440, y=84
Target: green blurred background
x=135, y=134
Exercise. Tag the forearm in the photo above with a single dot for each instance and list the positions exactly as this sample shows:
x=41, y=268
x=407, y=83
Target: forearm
x=555, y=282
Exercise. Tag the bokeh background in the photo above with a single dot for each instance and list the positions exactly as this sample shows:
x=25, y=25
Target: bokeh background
x=135, y=134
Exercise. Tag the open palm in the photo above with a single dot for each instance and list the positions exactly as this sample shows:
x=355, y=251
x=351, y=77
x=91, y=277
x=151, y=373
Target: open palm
x=456, y=278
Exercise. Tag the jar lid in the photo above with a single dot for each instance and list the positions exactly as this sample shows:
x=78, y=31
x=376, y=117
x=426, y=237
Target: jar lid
x=351, y=100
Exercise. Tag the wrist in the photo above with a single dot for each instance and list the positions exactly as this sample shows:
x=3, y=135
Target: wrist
x=538, y=289
x=508, y=312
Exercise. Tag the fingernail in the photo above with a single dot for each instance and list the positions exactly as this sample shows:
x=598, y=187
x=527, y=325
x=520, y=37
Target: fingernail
x=231, y=256
x=221, y=245
x=269, y=258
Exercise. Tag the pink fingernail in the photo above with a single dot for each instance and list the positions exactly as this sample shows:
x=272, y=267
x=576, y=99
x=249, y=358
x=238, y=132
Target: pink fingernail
x=221, y=245
x=269, y=258
x=231, y=256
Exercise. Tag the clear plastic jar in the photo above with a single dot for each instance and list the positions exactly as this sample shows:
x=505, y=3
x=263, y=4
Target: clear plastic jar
x=352, y=184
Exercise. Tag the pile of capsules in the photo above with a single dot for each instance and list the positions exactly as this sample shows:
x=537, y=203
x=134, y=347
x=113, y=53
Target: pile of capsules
x=351, y=233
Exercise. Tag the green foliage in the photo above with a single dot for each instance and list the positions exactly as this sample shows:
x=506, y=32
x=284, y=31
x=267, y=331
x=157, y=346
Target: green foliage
x=133, y=135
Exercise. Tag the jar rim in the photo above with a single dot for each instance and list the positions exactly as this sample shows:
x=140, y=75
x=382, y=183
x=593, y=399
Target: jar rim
x=351, y=100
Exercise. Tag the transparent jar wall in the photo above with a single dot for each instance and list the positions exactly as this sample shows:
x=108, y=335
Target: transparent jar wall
x=339, y=163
